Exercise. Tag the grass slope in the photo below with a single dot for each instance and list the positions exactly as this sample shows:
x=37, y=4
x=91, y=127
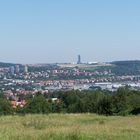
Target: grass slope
x=69, y=127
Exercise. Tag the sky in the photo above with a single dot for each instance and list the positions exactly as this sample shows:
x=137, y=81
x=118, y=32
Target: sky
x=49, y=31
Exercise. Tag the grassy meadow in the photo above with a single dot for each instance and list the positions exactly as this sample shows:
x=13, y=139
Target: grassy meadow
x=69, y=127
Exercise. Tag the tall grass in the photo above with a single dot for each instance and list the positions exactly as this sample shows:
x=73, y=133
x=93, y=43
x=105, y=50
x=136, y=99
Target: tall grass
x=69, y=127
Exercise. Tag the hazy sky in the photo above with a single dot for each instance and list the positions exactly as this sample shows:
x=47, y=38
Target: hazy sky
x=47, y=31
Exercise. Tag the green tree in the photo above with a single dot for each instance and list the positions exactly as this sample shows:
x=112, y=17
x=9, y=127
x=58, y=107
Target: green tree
x=120, y=101
x=134, y=103
x=2, y=95
x=5, y=107
x=37, y=105
x=104, y=106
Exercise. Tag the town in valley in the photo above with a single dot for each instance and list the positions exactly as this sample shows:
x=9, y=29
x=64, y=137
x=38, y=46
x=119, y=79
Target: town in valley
x=19, y=79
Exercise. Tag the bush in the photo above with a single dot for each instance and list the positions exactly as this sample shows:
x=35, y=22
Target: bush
x=37, y=105
x=104, y=106
x=5, y=107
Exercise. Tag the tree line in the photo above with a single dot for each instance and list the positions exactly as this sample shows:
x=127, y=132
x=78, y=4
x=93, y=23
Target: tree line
x=121, y=102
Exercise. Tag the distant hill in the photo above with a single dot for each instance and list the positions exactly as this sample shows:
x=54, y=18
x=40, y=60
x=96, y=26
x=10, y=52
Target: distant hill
x=126, y=63
x=2, y=64
x=126, y=67
x=131, y=67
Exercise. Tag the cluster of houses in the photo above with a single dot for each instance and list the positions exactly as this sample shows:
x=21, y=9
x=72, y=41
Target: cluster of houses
x=16, y=100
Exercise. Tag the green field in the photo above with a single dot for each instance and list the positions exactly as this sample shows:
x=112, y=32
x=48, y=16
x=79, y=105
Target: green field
x=69, y=127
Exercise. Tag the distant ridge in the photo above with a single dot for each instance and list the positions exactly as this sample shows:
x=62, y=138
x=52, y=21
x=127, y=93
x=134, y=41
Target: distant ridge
x=117, y=63
x=4, y=64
